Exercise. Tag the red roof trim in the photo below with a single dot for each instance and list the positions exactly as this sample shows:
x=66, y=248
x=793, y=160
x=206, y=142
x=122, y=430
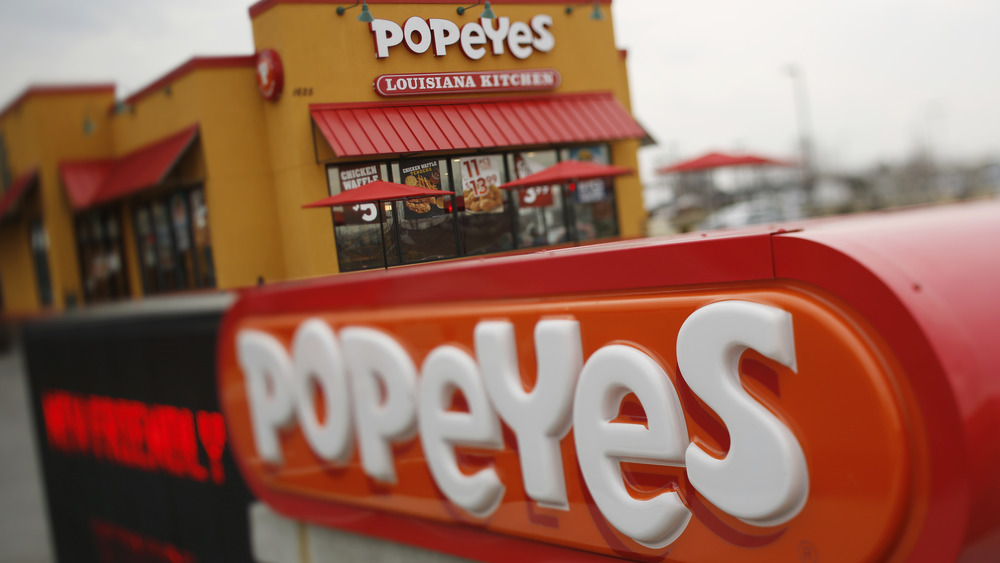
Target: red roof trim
x=56, y=90
x=360, y=129
x=195, y=63
x=17, y=189
x=91, y=183
x=265, y=5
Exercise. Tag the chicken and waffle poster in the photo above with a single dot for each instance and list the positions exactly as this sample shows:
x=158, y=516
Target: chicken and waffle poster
x=423, y=174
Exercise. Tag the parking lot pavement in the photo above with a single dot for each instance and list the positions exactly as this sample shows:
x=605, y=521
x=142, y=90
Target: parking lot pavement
x=24, y=534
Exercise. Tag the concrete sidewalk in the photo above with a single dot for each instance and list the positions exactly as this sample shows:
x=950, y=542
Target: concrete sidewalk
x=24, y=533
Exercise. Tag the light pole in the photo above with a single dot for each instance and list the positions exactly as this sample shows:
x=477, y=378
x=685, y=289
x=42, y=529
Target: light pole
x=805, y=138
x=933, y=118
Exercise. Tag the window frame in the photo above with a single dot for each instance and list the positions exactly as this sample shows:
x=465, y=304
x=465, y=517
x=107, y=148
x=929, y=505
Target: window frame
x=391, y=213
x=184, y=273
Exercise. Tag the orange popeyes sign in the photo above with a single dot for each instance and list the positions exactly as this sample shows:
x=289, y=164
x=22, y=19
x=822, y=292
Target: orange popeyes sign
x=760, y=421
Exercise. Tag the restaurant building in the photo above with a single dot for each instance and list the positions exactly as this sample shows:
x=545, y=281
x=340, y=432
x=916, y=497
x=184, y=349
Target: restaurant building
x=198, y=180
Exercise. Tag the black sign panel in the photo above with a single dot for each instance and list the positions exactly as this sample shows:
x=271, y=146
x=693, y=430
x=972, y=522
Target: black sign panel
x=133, y=448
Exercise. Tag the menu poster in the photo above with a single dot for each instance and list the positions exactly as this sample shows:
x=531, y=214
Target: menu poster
x=200, y=212
x=353, y=177
x=597, y=154
x=179, y=216
x=480, y=184
x=591, y=191
x=423, y=174
x=535, y=196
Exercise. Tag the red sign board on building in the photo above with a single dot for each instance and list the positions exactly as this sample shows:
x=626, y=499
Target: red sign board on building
x=270, y=74
x=529, y=80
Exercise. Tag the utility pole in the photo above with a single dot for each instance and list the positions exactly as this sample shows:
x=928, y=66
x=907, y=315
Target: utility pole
x=805, y=137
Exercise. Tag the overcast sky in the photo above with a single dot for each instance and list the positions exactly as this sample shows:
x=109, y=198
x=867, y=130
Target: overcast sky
x=881, y=76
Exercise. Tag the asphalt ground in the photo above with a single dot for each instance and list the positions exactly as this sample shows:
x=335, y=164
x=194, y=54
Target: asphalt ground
x=24, y=533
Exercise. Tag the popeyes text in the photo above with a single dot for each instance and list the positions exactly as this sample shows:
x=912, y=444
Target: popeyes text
x=374, y=397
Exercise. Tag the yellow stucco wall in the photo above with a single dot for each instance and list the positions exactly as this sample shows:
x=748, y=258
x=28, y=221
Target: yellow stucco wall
x=20, y=294
x=238, y=184
x=306, y=235
x=17, y=276
x=42, y=131
x=239, y=189
x=62, y=137
x=333, y=58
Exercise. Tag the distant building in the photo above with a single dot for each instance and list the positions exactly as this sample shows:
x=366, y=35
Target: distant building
x=197, y=181
x=720, y=190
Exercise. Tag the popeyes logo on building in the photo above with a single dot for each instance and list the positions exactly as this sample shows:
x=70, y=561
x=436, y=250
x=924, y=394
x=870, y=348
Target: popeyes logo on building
x=270, y=74
x=474, y=39
x=629, y=425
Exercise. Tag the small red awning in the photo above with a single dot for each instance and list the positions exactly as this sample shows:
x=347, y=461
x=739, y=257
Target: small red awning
x=16, y=190
x=83, y=180
x=92, y=182
x=568, y=171
x=715, y=160
x=754, y=160
x=384, y=128
x=376, y=191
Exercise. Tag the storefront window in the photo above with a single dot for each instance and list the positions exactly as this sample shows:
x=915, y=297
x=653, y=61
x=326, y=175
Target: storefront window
x=101, y=256
x=5, y=173
x=146, y=245
x=363, y=232
x=591, y=202
x=480, y=218
x=484, y=217
x=204, y=264
x=173, y=242
x=40, y=256
x=541, y=215
x=426, y=226
x=168, y=273
x=180, y=219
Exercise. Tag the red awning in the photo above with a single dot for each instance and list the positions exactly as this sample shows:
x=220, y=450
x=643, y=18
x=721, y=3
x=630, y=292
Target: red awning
x=16, y=190
x=568, y=171
x=382, y=128
x=376, y=191
x=92, y=182
x=83, y=180
x=754, y=160
x=714, y=160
